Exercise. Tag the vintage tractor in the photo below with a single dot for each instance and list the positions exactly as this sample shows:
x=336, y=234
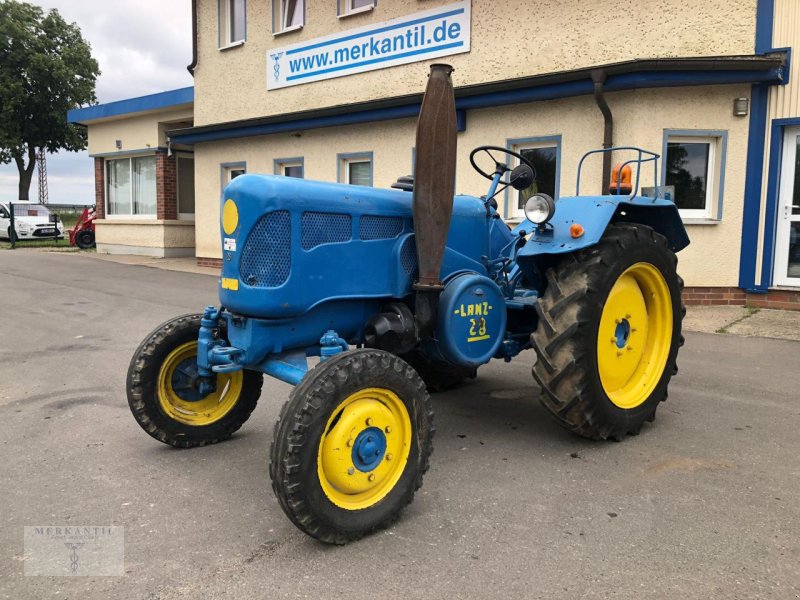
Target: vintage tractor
x=397, y=292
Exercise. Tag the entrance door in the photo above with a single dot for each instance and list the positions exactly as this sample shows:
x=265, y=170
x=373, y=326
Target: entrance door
x=787, y=242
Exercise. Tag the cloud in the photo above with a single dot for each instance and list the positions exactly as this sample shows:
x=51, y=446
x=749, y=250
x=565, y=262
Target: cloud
x=142, y=47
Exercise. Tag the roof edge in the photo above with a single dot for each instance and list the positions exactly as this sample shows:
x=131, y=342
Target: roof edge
x=129, y=106
x=633, y=74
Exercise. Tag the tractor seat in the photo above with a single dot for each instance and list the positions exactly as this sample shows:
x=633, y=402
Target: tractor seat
x=405, y=183
x=620, y=182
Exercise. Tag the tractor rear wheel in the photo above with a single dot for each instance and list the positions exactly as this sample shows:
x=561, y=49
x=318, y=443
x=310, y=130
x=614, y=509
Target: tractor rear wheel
x=351, y=445
x=437, y=375
x=163, y=394
x=85, y=239
x=609, y=332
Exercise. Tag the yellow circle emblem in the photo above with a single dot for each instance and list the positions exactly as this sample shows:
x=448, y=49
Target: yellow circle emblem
x=230, y=217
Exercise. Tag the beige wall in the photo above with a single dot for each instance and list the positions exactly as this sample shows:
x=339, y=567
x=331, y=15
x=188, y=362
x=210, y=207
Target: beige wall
x=148, y=237
x=137, y=132
x=640, y=117
x=523, y=38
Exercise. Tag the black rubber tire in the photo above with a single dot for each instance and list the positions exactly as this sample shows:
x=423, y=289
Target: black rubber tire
x=438, y=376
x=85, y=239
x=566, y=336
x=142, y=382
x=295, y=445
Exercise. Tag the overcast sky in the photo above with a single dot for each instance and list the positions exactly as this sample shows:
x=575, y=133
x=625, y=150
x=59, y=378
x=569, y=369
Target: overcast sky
x=142, y=47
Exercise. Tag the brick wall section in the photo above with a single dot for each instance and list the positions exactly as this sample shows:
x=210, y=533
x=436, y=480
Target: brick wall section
x=780, y=299
x=100, y=187
x=166, y=186
x=697, y=296
x=209, y=262
x=734, y=296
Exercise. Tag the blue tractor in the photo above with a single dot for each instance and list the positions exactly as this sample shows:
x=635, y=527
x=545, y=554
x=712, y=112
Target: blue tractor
x=400, y=291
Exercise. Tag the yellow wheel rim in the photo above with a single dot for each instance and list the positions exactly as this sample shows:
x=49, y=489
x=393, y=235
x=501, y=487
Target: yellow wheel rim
x=364, y=448
x=183, y=403
x=635, y=335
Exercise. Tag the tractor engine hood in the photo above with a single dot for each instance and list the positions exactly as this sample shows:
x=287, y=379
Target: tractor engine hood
x=290, y=244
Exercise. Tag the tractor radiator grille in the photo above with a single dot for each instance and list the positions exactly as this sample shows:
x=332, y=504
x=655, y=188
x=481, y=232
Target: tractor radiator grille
x=408, y=256
x=325, y=228
x=267, y=254
x=380, y=228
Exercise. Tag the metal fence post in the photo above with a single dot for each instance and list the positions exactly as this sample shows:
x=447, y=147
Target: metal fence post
x=12, y=235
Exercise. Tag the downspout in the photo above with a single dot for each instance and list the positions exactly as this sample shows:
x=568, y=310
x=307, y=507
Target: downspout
x=191, y=67
x=598, y=79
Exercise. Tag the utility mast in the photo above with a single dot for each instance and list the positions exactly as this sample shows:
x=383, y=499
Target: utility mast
x=41, y=166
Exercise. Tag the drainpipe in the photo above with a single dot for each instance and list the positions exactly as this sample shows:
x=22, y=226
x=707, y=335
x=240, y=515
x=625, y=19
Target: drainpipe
x=194, y=38
x=599, y=78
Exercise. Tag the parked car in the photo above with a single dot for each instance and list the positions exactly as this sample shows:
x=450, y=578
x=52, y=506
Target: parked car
x=32, y=222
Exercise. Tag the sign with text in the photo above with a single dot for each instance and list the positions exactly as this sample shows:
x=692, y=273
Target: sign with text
x=424, y=35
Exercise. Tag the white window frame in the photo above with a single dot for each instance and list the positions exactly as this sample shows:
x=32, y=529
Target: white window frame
x=717, y=142
x=279, y=15
x=129, y=158
x=183, y=216
x=280, y=165
x=226, y=24
x=227, y=170
x=345, y=160
x=515, y=213
x=345, y=8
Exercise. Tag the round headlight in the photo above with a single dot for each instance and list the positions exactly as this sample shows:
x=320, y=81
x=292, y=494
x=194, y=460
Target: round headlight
x=540, y=208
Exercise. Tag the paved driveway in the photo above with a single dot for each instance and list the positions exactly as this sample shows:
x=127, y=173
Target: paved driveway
x=705, y=503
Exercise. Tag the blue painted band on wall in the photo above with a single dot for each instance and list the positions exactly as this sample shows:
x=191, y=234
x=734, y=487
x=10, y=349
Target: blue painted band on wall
x=752, y=187
x=158, y=101
x=754, y=167
x=765, y=12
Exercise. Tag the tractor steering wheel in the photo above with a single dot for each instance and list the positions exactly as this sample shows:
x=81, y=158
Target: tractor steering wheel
x=499, y=167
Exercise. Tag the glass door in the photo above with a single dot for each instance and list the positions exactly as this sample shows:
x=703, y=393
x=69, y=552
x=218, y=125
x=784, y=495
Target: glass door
x=787, y=243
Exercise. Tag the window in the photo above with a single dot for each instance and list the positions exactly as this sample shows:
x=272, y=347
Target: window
x=231, y=171
x=544, y=154
x=289, y=167
x=693, y=174
x=287, y=15
x=131, y=186
x=185, y=176
x=355, y=169
x=353, y=7
x=232, y=22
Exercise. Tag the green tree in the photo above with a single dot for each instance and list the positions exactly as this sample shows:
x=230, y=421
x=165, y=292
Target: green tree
x=46, y=68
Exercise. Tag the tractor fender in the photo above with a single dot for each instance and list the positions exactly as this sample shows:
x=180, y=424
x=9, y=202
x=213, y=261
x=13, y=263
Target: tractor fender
x=594, y=214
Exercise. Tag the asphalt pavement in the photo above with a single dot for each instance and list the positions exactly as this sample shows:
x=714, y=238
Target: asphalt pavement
x=705, y=503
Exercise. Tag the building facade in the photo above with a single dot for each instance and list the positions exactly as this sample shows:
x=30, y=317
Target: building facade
x=330, y=91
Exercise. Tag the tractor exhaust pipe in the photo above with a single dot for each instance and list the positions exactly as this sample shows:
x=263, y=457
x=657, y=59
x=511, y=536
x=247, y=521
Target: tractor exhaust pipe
x=434, y=186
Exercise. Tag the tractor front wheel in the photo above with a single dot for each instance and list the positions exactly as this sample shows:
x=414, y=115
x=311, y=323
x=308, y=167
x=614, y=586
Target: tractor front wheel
x=609, y=332
x=163, y=393
x=351, y=445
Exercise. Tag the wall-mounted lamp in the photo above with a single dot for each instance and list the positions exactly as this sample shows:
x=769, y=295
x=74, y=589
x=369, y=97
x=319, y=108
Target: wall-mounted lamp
x=119, y=144
x=741, y=106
